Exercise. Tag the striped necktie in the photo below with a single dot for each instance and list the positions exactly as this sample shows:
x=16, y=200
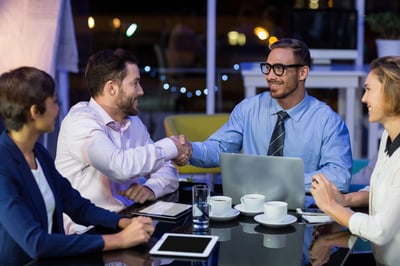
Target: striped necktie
x=278, y=136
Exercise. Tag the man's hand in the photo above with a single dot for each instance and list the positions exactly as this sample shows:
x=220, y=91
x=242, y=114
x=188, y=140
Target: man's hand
x=184, y=149
x=138, y=193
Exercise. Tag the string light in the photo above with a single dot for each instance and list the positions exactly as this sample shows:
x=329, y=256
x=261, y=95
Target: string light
x=91, y=22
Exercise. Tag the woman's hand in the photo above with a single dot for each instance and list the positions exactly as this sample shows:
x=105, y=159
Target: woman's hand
x=138, y=231
x=323, y=191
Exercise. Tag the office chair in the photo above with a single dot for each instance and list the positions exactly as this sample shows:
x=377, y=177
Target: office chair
x=196, y=127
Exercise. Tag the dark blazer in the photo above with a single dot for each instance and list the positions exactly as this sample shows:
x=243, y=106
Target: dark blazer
x=23, y=216
x=2, y=127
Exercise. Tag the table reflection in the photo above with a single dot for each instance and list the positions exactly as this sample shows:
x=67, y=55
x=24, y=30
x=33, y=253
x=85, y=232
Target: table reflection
x=327, y=244
x=254, y=244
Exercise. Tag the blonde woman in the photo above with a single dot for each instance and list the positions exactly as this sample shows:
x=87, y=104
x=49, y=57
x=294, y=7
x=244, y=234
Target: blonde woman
x=381, y=226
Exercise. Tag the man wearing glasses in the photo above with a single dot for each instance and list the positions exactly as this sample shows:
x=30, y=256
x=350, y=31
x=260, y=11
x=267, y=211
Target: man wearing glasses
x=312, y=130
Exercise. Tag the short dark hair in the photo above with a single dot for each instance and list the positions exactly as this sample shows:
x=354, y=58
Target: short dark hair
x=300, y=50
x=19, y=90
x=107, y=65
x=387, y=69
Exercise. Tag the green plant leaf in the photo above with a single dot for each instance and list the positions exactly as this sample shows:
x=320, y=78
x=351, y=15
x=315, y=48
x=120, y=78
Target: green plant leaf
x=385, y=24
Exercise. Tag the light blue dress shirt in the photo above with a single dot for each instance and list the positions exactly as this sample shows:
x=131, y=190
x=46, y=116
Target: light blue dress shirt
x=314, y=132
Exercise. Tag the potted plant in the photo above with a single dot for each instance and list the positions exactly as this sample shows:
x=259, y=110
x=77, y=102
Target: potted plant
x=387, y=27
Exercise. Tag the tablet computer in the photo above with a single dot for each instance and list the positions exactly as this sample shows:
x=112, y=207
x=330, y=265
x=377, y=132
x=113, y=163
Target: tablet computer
x=184, y=245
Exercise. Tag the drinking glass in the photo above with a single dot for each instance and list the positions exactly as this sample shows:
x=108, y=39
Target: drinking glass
x=201, y=194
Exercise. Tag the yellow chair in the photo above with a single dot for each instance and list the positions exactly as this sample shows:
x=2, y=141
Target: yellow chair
x=196, y=127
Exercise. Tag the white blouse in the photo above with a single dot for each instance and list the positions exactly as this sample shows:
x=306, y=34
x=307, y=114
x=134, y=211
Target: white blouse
x=47, y=194
x=382, y=226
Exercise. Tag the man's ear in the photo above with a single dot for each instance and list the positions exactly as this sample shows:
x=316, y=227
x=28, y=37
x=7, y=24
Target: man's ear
x=303, y=73
x=109, y=88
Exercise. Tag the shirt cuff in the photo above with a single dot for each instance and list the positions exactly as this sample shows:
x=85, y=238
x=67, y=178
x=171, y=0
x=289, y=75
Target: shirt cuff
x=355, y=222
x=196, y=152
x=352, y=240
x=168, y=147
x=366, y=188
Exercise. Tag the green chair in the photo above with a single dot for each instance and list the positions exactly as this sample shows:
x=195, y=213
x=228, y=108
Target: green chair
x=358, y=164
x=196, y=127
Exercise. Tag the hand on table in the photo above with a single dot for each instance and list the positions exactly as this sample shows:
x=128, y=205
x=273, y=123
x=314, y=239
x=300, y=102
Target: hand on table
x=138, y=231
x=138, y=193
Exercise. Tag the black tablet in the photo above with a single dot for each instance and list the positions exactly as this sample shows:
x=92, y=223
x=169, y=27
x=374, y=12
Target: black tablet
x=186, y=245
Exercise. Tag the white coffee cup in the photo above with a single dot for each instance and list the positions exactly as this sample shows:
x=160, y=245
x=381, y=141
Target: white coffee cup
x=253, y=202
x=275, y=211
x=274, y=240
x=220, y=205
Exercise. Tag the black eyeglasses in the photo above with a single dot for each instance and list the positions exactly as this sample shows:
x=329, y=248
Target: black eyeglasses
x=279, y=69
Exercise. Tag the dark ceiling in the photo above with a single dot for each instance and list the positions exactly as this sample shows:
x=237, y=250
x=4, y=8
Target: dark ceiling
x=187, y=7
x=158, y=18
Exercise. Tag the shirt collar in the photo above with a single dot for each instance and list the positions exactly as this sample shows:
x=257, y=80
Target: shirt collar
x=295, y=112
x=119, y=127
x=106, y=118
x=391, y=146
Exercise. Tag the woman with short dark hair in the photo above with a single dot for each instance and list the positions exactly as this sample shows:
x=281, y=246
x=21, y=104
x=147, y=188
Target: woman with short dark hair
x=33, y=195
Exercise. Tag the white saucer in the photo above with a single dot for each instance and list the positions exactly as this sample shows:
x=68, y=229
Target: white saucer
x=289, y=219
x=231, y=215
x=240, y=208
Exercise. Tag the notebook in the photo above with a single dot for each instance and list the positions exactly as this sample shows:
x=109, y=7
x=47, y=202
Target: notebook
x=278, y=178
x=159, y=209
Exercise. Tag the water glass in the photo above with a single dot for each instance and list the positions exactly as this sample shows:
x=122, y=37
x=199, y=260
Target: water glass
x=201, y=194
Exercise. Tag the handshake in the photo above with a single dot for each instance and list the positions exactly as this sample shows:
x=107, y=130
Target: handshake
x=184, y=149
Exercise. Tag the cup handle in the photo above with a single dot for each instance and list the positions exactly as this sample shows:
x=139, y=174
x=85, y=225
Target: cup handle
x=242, y=201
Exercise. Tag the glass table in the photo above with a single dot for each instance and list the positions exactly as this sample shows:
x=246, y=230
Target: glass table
x=242, y=241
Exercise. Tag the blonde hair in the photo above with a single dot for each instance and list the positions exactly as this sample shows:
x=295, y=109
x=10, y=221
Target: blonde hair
x=387, y=69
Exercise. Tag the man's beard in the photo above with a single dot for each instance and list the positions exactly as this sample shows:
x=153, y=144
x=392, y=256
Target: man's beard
x=126, y=105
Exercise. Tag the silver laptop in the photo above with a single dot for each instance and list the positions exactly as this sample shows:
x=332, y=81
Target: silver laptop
x=278, y=178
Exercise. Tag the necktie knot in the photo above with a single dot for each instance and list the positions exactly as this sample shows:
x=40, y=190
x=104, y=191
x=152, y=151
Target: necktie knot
x=283, y=115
